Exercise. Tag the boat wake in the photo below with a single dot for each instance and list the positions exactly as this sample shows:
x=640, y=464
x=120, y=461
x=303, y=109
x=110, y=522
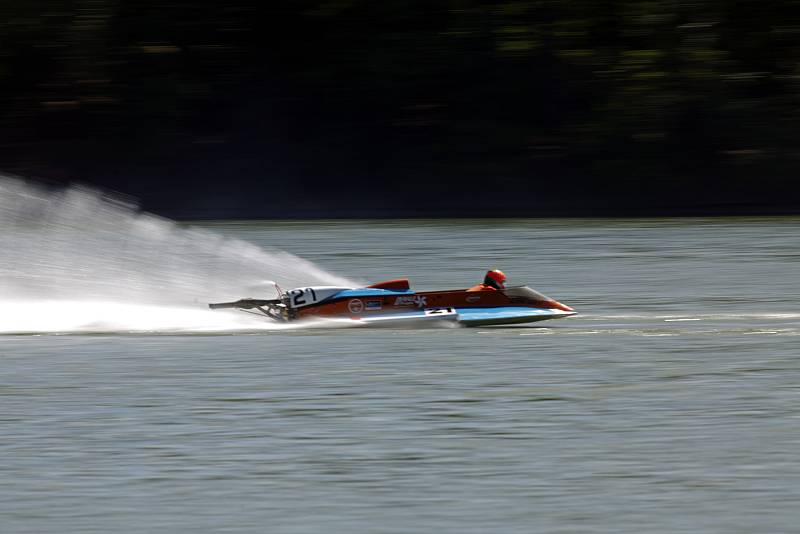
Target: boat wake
x=81, y=317
x=673, y=318
x=77, y=260
x=665, y=325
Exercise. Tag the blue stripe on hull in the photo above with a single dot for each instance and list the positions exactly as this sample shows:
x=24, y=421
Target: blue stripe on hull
x=368, y=292
x=507, y=315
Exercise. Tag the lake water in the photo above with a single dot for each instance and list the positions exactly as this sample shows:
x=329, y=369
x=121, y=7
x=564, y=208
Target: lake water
x=671, y=403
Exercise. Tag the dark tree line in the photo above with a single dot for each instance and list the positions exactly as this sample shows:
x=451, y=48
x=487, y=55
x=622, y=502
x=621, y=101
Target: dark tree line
x=403, y=107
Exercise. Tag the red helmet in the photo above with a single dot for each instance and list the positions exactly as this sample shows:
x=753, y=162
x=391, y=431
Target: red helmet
x=495, y=278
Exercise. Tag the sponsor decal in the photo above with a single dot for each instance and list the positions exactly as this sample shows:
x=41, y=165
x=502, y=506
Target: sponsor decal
x=474, y=298
x=415, y=300
x=355, y=306
x=373, y=305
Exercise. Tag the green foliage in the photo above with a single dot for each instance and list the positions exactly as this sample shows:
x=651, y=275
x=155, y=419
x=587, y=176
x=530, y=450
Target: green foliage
x=444, y=88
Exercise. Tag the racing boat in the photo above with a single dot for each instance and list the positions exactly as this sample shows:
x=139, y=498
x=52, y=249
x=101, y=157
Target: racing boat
x=394, y=302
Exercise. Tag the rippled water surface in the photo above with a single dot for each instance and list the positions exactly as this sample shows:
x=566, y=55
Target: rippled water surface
x=670, y=404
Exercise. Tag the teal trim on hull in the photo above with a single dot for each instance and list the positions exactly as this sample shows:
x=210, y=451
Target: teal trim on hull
x=507, y=315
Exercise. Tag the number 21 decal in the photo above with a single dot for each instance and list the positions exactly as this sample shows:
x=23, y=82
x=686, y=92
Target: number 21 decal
x=299, y=296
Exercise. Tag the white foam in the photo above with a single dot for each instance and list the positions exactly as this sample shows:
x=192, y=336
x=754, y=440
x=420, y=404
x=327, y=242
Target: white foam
x=77, y=260
x=49, y=317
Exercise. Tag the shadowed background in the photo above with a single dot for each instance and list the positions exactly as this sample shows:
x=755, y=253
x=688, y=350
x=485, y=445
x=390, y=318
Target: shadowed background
x=407, y=108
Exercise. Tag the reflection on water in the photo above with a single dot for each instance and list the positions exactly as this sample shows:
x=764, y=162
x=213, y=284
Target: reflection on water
x=668, y=405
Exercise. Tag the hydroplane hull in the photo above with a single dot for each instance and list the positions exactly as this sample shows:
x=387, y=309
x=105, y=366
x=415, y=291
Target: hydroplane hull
x=394, y=303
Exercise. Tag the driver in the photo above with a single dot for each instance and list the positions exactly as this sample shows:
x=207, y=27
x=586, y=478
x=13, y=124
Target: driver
x=494, y=280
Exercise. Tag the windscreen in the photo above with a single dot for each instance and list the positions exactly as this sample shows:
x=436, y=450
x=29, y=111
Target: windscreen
x=525, y=293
